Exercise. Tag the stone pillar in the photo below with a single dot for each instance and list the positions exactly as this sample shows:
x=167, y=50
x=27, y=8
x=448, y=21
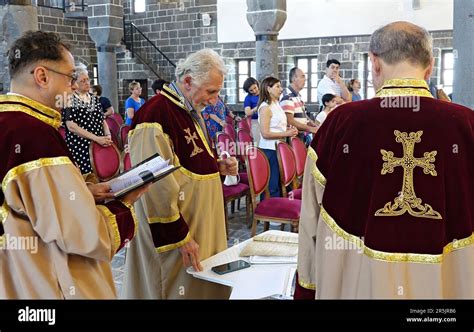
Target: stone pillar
x=463, y=45
x=16, y=18
x=266, y=17
x=105, y=22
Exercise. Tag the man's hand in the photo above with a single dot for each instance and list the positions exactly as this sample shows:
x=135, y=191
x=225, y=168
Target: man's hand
x=228, y=166
x=100, y=191
x=190, y=254
x=135, y=194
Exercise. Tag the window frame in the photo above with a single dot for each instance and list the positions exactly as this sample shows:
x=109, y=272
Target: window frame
x=309, y=73
x=238, y=74
x=443, y=69
x=134, y=7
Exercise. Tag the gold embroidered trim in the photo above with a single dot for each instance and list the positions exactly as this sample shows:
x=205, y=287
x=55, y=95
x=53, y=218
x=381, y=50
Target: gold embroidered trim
x=183, y=170
x=51, y=116
x=174, y=245
x=395, y=257
x=407, y=201
x=113, y=223
x=3, y=212
x=315, y=172
x=195, y=176
x=163, y=220
x=173, y=97
x=134, y=216
x=404, y=87
x=32, y=165
x=53, y=122
x=312, y=154
x=2, y=240
x=203, y=138
x=306, y=285
x=190, y=138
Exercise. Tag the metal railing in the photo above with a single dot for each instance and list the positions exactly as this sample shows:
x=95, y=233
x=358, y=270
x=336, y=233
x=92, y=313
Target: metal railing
x=147, y=52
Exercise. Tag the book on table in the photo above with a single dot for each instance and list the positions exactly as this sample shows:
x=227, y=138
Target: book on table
x=151, y=169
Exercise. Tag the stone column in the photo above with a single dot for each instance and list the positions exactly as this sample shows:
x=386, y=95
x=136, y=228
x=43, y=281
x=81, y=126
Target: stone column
x=463, y=45
x=16, y=18
x=266, y=17
x=105, y=22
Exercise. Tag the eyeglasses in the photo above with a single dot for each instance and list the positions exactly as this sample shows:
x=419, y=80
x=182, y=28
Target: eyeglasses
x=73, y=77
x=84, y=81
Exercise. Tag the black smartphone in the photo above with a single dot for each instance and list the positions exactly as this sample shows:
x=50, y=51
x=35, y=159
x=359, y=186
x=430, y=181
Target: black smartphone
x=230, y=267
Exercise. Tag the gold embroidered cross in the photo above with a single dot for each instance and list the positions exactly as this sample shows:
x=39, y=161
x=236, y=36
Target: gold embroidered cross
x=407, y=201
x=191, y=138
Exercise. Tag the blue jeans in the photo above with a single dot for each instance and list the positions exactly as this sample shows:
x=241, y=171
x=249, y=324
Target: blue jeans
x=274, y=183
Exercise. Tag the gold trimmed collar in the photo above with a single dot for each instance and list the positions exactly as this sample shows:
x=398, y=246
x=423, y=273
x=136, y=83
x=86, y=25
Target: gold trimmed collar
x=404, y=87
x=173, y=97
x=179, y=101
x=17, y=103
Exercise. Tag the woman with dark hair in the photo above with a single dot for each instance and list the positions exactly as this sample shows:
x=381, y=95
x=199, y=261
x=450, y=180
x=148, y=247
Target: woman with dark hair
x=250, y=105
x=273, y=127
x=329, y=103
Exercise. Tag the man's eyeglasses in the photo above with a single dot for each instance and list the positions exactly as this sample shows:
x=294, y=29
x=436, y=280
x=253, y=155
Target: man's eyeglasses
x=73, y=76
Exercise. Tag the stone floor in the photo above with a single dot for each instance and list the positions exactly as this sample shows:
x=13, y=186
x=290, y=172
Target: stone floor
x=238, y=232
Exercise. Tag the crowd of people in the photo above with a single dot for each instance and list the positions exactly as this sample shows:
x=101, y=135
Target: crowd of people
x=180, y=221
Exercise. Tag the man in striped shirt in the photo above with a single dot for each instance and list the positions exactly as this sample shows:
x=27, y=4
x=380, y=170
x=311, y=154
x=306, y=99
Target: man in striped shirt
x=293, y=104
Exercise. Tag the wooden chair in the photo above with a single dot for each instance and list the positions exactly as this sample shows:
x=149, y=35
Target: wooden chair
x=287, y=166
x=105, y=161
x=232, y=193
x=114, y=128
x=276, y=209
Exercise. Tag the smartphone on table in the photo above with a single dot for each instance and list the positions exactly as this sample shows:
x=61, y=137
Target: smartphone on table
x=230, y=267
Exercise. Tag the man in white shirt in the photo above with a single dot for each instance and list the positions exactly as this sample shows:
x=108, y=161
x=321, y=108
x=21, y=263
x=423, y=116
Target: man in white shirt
x=332, y=83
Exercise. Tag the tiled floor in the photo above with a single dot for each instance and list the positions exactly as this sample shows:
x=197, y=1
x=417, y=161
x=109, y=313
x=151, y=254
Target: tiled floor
x=238, y=232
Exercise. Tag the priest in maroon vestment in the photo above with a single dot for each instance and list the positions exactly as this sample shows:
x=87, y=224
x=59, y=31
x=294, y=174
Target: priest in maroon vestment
x=388, y=201
x=55, y=243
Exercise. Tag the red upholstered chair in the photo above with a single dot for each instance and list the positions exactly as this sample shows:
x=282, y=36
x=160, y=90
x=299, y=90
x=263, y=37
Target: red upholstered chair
x=243, y=124
x=249, y=123
x=105, y=161
x=276, y=209
x=287, y=165
x=127, y=163
x=244, y=139
x=230, y=130
x=226, y=143
x=114, y=128
x=118, y=118
x=300, y=155
x=124, y=129
x=229, y=120
x=232, y=193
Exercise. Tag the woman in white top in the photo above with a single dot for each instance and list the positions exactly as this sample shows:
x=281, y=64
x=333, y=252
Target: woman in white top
x=273, y=127
x=329, y=103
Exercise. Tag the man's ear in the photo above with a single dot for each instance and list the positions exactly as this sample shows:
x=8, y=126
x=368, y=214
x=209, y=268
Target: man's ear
x=429, y=70
x=187, y=82
x=41, y=77
x=376, y=65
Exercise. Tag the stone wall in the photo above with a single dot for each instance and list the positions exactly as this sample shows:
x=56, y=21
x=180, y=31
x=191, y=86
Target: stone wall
x=177, y=29
x=73, y=31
